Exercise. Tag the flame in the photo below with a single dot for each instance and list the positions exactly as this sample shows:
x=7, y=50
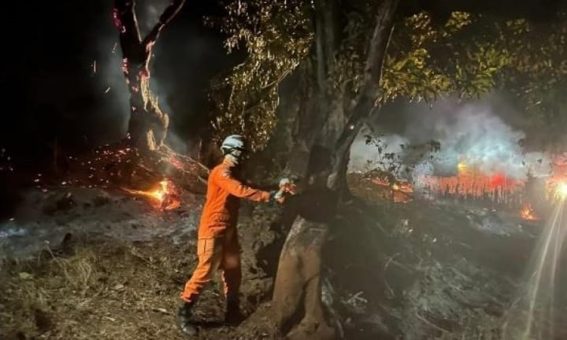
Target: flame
x=462, y=168
x=471, y=182
x=404, y=187
x=164, y=196
x=527, y=213
x=399, y=192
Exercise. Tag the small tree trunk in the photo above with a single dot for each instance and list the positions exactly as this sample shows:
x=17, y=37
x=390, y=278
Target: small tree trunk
x=148, y=124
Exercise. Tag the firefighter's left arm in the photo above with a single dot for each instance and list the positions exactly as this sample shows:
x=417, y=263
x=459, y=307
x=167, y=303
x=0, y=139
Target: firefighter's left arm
x=226, y=181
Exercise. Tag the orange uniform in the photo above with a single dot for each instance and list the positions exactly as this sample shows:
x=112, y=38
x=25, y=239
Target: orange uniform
x=217, y=245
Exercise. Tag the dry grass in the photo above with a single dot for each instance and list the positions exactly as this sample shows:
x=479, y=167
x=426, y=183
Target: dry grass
x=105, y=289
x=102, y=290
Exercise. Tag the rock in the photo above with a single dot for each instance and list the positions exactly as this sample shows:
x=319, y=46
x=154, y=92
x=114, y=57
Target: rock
x=25, y=276
x=118, y=287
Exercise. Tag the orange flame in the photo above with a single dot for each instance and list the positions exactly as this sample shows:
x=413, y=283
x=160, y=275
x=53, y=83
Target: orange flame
x=163, y=197
x=472, y=183
x=527, y=213
x=400, y=192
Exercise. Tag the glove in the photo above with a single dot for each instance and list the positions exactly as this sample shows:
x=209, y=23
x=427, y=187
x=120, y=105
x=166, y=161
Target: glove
x=287, y=186
x=277, y=196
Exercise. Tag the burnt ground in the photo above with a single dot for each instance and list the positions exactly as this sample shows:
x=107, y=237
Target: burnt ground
x=86, y=263
x=113, y=268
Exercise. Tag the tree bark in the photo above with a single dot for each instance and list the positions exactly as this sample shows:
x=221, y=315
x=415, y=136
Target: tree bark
x=300, y=268
x=298, y=310
x=297, y=303
x=147, y=128
x=366, y=102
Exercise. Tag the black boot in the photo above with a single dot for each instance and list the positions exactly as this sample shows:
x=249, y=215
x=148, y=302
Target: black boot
x=183, y=318
x=232, y=315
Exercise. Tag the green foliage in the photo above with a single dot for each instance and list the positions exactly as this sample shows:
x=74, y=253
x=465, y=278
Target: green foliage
x=467, y=56
x=460, y=67
x=277, y=37
x=471, y=55
x=538, y=76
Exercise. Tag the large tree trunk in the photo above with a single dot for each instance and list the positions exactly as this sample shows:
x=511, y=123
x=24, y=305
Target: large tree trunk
x=316, y=101
x=299, y=273
x=366, y=101
x=148, y=124
x=297, y=302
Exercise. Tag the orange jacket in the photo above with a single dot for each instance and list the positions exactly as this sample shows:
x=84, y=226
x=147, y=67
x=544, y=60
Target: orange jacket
x=223, y=200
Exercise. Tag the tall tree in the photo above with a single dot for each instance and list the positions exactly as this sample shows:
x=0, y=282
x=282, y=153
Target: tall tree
x=328, y=153
x=344, y=72
x=148, y=123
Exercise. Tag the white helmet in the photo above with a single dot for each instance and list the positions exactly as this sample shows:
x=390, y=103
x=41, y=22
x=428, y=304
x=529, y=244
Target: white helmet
x=233, y=143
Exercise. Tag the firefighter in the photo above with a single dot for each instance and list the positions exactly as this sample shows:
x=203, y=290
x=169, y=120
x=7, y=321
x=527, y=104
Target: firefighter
x=217, y=245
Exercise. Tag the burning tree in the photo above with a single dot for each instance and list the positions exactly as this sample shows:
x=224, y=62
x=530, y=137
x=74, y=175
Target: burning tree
x=148, y=123
x=343, y=71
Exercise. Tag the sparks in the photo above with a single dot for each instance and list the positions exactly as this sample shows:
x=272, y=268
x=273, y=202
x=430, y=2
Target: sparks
x=527, y=213
x=163, y=197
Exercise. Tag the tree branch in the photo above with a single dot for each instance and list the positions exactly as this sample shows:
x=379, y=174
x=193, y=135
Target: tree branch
x=125, y=21
x=536, y=10
x=374, y=60
x=365, y=101
x=168, y=14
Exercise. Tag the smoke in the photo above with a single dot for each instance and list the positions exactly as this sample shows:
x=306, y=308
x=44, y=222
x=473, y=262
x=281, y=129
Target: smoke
x=110, y=82
x=185, y=58
x=112, y=85
x=367, y=156
x=479, y=139
x=148, y=12
x=476, y=134
x=107, y=66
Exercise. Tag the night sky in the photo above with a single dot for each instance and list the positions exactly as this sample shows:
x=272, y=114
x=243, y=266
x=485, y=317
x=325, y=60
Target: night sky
x=52, y=93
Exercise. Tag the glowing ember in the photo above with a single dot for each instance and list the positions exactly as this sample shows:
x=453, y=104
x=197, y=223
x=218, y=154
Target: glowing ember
x=402, y=187
x=176, y=163
x=527, y=213
x=399, y=192
x=462, y=167
x=163, y=197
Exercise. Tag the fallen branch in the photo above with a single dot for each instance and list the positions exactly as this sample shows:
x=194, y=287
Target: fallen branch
x=431, y=323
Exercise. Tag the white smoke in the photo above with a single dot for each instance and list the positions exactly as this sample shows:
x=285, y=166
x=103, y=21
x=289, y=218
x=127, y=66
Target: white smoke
x=482, y=140
x=111, y=88
x=148, y=12
x=111, y=85
x=474, y=133
x=368, y=156
x=478, y=137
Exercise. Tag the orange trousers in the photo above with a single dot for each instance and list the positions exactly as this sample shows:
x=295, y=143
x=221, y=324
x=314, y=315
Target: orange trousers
x=221, y=253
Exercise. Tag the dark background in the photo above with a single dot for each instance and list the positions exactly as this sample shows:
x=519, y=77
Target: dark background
x=54, y=98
